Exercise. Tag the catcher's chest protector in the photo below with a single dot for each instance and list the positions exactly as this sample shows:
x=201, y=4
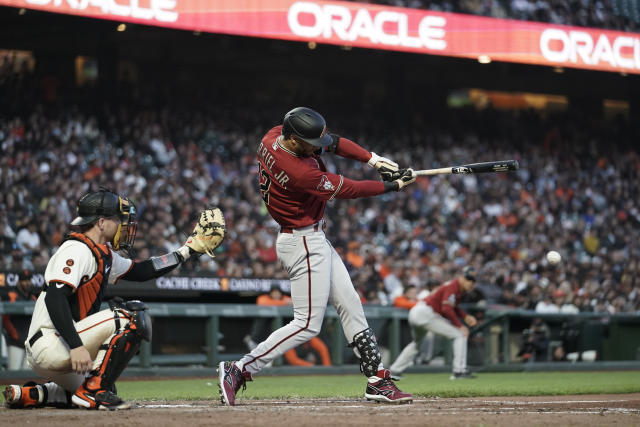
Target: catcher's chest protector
x=88, y=296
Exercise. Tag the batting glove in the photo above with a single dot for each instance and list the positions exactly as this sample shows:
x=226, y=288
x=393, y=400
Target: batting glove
x=385, y=167
x=408, y=176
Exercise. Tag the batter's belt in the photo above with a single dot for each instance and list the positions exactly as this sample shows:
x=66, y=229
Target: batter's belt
x=315, y=227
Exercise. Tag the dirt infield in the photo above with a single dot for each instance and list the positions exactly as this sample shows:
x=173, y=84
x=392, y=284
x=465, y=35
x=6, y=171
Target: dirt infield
x=583, y=410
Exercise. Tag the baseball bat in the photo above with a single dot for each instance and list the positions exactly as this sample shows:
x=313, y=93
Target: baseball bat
x=484, y=167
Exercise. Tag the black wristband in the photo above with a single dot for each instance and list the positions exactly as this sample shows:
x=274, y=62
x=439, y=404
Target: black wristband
x=391, y=186
x=153, y=267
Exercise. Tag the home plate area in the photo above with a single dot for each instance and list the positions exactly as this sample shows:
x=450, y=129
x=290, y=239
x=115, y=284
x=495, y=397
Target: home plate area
x=620, y=410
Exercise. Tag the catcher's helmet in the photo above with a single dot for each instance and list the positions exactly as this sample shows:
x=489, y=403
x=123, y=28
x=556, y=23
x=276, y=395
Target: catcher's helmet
x=97, y=204
x=307, y=125
x=106, y=203
x=469, y=273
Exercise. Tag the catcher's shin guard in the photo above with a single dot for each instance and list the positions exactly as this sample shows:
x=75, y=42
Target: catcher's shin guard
x=365, y=347
x=98, y=389
x=119, y=352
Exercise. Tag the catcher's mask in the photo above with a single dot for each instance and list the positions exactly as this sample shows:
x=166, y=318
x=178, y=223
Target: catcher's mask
x=307, y=125
x=107, y=204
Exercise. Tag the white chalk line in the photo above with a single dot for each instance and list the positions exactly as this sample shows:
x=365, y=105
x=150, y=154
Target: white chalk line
x=545, y=402
x=310, y=405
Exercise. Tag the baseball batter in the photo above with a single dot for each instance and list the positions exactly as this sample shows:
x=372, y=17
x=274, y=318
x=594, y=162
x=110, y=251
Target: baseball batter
x=295, y=186
x=80, y=349
x=440, y=313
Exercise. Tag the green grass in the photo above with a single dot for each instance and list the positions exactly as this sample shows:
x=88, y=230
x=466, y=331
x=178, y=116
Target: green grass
x=421, y=385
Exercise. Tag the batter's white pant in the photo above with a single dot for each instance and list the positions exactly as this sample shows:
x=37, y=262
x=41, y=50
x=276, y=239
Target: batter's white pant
x=423, y=319
x=318, y=276
x=49, y=357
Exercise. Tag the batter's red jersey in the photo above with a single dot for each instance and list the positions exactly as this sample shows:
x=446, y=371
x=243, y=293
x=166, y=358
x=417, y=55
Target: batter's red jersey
x=444, y=301
x=296, y=189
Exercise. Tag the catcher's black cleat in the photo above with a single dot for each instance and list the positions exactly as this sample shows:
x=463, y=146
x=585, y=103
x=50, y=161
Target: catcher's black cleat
x=99, y=399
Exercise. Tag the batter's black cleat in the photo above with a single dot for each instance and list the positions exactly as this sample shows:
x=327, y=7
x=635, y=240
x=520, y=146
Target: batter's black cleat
x=230, y=379
x=30, y=395
x=462, y=376
x=99, y=399
x=386, y=391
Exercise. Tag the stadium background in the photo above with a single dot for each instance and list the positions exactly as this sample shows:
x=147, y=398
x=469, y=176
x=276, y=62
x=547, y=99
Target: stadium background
x=172, y=117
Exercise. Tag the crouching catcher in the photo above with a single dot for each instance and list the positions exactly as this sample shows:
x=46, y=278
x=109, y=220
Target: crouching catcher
x=79, y=349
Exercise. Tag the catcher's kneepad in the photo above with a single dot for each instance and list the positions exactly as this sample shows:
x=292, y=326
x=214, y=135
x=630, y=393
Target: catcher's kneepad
x=366, y=348
x=208, y=233
x=136, y=313
x=141, y=320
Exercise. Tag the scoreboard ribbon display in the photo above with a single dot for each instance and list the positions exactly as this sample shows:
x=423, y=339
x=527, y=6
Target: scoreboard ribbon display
x=375, y=27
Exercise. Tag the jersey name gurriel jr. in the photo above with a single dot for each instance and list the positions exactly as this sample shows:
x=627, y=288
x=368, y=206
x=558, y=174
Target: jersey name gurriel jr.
x=296, y=189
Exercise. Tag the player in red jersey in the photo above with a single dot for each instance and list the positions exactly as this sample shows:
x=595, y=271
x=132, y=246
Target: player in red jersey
x=440, y=313
x=295, y=186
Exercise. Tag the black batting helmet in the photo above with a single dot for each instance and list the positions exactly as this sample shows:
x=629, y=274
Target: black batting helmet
x=307, y=125
x=469, y=273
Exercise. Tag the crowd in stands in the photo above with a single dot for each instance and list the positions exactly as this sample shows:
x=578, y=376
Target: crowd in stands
x=576, y=192
x=610, y=14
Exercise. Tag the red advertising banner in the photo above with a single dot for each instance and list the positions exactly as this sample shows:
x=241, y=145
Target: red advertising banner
x=375, y=27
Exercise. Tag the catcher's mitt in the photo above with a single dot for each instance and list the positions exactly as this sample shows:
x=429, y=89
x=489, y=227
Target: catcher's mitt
x=208, y=233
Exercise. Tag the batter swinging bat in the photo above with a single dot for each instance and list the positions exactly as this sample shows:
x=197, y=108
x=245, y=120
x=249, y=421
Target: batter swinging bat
x=501, y=166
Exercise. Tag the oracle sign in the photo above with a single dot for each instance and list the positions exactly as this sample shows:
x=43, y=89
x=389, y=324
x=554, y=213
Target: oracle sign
x=162, y=10
x=560, y=46
x=374, y=27
x=387, y=27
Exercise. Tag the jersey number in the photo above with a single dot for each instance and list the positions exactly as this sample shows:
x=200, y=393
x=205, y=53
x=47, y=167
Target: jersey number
x=265, y=184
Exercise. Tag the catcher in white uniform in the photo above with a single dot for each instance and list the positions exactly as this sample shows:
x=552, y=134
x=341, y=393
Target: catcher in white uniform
x=78, y=348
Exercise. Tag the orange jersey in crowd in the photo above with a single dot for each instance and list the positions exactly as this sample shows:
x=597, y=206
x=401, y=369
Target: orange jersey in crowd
x=403, y=302
x=267, y=300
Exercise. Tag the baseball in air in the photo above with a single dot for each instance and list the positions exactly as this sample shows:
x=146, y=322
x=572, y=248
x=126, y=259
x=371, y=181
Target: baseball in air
x=553, y=257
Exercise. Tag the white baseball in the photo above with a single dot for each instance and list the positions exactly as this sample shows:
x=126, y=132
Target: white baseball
x=553, y=257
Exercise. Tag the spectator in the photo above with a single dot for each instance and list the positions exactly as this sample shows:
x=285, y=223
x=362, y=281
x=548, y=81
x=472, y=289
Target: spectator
x=551, y=302
x=408, y=299
x=393, y=281
x=28, y=238
x=535, y=342
x=569, y=307
x=16, y=327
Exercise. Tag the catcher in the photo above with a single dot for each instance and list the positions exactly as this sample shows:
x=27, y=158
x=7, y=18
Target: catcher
x=78, y=348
